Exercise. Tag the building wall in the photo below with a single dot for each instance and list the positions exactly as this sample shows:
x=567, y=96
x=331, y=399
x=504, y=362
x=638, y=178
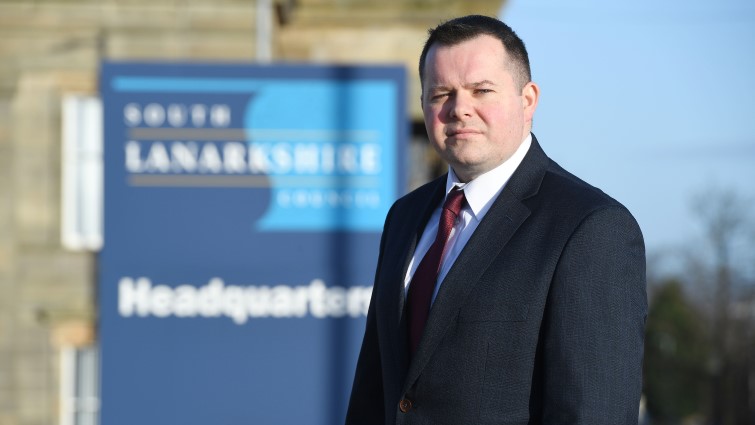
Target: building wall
x=52, y=48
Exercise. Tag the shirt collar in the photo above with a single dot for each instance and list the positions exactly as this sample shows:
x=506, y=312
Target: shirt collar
x=481, y=191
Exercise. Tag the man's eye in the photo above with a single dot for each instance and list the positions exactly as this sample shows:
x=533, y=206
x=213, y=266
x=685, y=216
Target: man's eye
x=483, y=91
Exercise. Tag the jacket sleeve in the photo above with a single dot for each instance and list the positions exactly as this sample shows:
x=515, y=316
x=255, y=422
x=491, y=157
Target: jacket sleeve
x=366, y=404
x=593, y=329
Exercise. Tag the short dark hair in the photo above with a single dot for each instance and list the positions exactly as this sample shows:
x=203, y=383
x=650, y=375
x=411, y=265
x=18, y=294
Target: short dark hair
x=465, y=28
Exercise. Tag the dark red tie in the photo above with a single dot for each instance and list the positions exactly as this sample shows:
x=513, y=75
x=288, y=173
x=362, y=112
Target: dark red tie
x=422, y=286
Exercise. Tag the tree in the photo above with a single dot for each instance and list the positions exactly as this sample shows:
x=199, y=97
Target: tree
x=723, y=266
x=676, y=352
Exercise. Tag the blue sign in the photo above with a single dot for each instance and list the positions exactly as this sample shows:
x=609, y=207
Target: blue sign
x=243, y=209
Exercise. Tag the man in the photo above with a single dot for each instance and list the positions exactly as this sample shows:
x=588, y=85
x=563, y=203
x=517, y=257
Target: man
x=535, y=313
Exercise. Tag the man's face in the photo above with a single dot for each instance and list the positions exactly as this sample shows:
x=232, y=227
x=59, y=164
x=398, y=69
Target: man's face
x=475, y=114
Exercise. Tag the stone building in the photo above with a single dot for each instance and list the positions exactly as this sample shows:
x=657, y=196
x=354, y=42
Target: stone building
x=52, y=49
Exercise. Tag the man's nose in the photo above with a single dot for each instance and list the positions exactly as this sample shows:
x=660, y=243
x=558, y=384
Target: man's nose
x=461, y=107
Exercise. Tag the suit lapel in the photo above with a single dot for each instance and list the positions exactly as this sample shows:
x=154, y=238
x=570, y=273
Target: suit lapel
x=410, y=231
x=416, y=228
x=493, y=233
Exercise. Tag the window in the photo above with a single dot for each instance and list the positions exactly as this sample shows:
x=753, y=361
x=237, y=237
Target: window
x=82, y=179
x=79, y=381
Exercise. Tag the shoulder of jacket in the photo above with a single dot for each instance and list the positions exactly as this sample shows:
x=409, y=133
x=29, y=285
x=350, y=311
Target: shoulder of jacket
x=569, y=196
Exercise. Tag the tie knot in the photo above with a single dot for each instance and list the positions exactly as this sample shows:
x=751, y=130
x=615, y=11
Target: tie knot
x=454, y=201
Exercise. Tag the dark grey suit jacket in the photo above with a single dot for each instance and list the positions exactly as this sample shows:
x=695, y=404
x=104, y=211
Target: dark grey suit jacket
x=539, y=321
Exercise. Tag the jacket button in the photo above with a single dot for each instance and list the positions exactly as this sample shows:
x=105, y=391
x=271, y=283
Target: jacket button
x=405, y=405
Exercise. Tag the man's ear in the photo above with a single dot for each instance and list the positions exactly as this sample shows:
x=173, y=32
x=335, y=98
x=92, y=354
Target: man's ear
x=530, y=96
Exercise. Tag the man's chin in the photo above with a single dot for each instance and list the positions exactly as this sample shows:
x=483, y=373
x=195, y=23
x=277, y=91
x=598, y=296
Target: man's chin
x=466, y=171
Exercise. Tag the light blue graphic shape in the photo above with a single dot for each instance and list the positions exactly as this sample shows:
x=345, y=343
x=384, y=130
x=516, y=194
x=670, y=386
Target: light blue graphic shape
x=347, y=130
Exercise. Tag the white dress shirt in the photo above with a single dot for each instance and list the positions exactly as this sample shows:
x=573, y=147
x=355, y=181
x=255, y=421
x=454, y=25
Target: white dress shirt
x=480, y=194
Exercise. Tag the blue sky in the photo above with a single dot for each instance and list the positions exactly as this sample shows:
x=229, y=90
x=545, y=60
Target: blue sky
x=653, y=102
